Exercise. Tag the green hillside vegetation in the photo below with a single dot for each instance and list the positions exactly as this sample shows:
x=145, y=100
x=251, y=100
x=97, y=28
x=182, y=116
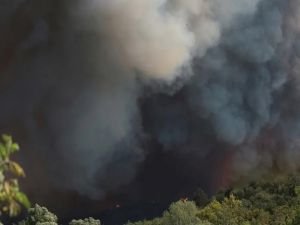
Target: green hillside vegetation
x=259, y=203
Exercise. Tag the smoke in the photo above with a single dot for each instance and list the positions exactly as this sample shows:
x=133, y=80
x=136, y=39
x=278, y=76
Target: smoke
x=246, y=88
x=250, y=91
x=136, y=32
x=90, y=87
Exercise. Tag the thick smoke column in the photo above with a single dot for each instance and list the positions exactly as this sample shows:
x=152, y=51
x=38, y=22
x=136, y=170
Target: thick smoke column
x=93, y=86
x=136, y=32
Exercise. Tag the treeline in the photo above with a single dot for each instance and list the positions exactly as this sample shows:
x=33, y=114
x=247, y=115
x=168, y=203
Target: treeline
x=274, y=202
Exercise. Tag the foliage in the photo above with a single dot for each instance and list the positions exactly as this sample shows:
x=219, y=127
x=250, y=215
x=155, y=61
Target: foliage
x=88, y=221
x=266, y=202
x=39, y=216
x=230, y=211
x=11, y=198
x=269, y=202
x=200, y=198
x=179, y=213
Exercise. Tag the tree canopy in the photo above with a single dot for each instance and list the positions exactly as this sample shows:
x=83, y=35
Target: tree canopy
x=273, y=202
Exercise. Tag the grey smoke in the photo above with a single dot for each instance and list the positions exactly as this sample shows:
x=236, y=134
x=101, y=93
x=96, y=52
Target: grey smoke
x=219, y=72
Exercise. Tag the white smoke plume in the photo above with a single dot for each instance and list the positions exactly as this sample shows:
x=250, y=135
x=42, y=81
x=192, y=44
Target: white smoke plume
x=136, y=32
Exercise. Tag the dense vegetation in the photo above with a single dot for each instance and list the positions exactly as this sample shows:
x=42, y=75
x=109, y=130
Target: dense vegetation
x=274, y=202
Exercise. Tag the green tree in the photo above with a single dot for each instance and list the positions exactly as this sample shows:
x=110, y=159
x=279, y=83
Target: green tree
x=39, y=216
x=88, y=221
x=229, y=212
x=179, y=213
x=284, y=215
x=200, y=198
x=11, y=198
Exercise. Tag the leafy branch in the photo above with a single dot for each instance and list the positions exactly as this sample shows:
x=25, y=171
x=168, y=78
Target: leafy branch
x=11, y=198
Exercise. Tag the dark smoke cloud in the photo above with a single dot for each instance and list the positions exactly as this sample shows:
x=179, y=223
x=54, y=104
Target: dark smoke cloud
x=91, y=87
